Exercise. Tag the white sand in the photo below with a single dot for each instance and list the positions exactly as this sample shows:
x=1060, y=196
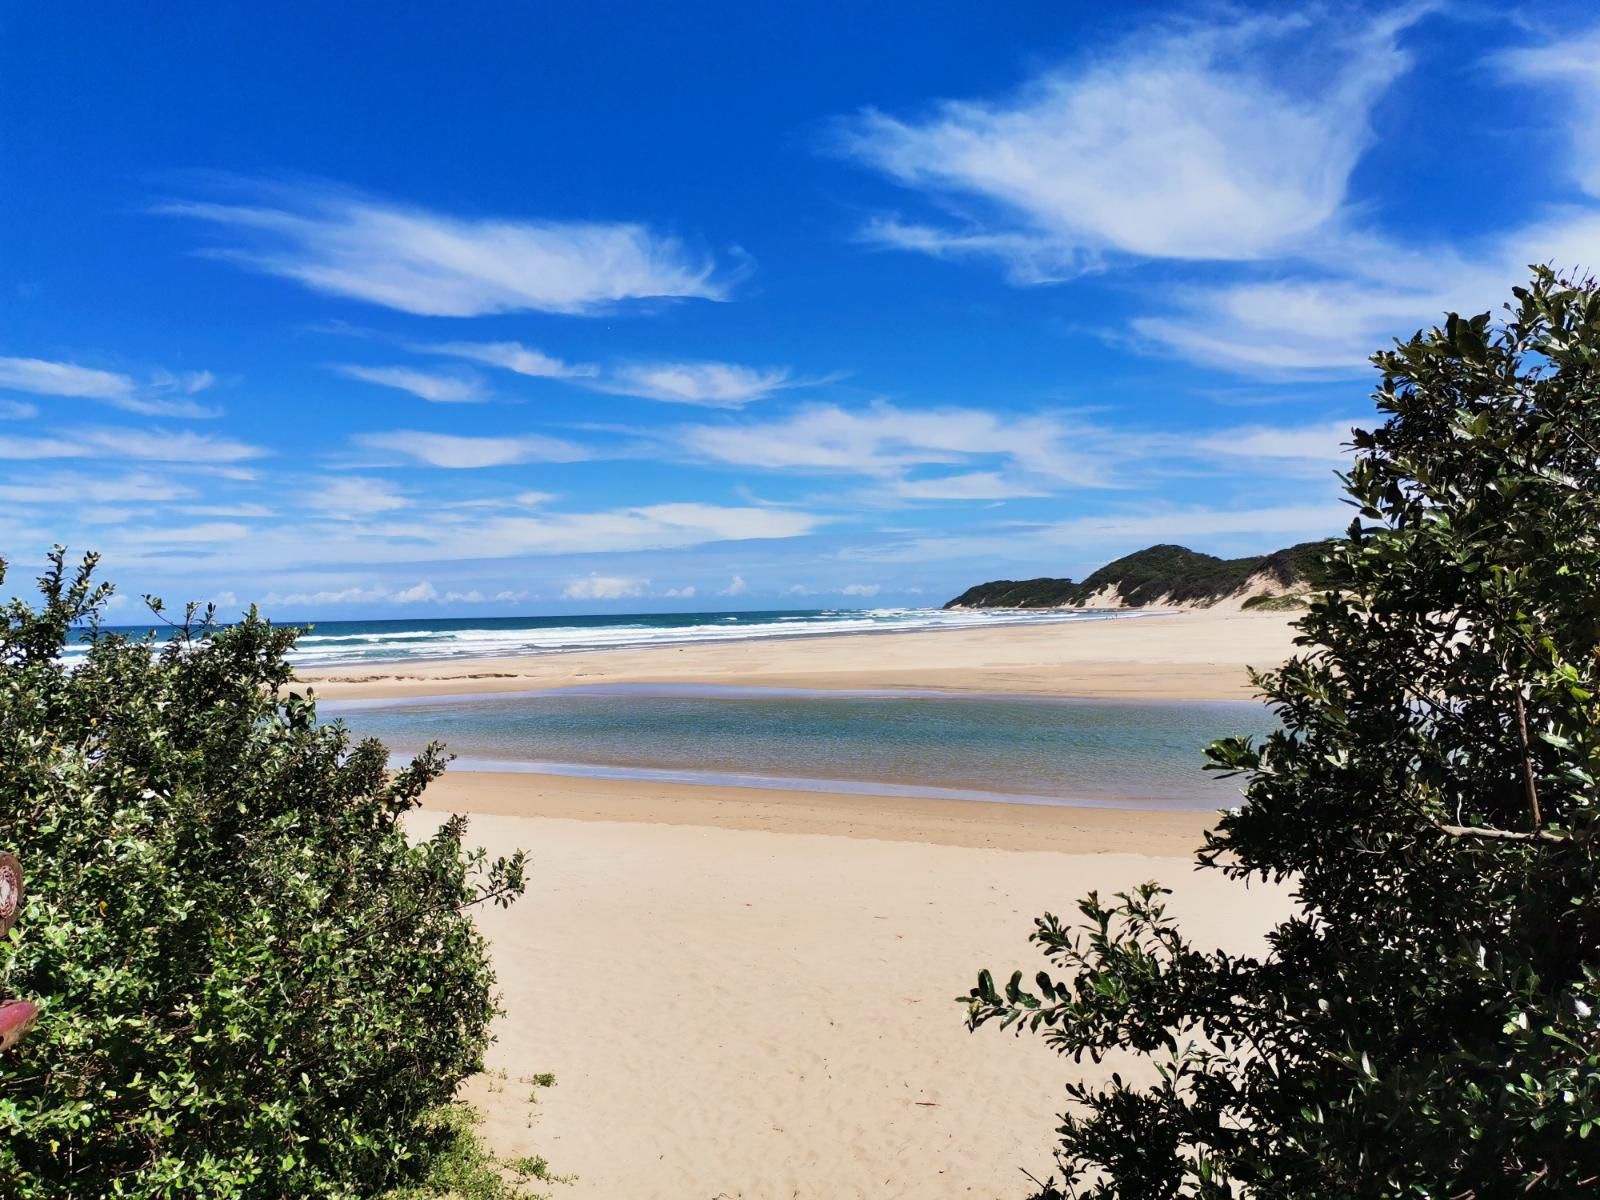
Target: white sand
x=760, y=1015
x=749, y=993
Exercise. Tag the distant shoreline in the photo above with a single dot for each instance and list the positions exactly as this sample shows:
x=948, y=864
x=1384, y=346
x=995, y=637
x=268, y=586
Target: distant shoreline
x=1175, y=655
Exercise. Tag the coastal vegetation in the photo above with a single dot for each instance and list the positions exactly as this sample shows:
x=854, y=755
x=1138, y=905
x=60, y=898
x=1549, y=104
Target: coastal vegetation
x=253, y=982
x=1428, y=1022
x=1160, y=575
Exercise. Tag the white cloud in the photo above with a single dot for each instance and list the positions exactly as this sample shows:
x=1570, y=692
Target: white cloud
x=462, y=452
x=63, y=379
x=73, y=488
x=1227, y=142
x=1108, y=534
x=1190, y=143
x=1373, y=291
x=1573, y=66
x=1319, y=446
x=17, y=410
x=408, y=258
x=604, y=587
x=1286, y=520
x=886, y=441
x=707, y=384
x=349, y=595
x=209, y=533
x=679, y=593
x=349, y=496
x=433, y=537
x=971, y=485
x=512, y=356
x=736, y=587
x=864, y=590
x=433, y=386
x=227, y=510
x=147, y=445
x=416, y=594
x=164, y=395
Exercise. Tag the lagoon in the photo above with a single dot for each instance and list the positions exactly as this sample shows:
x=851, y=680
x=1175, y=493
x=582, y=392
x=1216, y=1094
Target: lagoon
x=1028, y=749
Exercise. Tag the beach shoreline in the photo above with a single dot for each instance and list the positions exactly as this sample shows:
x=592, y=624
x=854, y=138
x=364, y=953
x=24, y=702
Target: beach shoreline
x=974, y=824
x=790, y=957
x=1199, y=654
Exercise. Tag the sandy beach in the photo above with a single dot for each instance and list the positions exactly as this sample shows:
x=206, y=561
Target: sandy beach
x=738, y=1013
x=748, y=993
x=1186, y=655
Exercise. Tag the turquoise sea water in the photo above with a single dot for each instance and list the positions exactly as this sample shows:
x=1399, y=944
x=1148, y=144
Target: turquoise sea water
x=979, y=747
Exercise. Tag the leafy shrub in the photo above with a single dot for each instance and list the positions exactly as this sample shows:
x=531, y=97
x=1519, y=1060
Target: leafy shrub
x=253, y=984
x=1428, y=1022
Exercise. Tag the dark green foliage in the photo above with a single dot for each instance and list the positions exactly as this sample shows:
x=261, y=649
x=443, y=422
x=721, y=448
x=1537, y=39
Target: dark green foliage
x=1170, y=574
x=253, y=984
x=461, y=1168
x=1012, y=593
x=1428, y=1022
x=1287, y=602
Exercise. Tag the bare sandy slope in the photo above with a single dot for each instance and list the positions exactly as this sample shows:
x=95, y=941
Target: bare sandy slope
x=1194, y=655
x=735, y=1013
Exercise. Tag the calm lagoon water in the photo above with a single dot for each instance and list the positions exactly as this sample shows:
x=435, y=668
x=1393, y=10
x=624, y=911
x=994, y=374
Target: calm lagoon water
x=894, y=743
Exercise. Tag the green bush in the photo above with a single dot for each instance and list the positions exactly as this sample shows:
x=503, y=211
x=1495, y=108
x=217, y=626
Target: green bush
x=253, y=984
x=1427, y=1023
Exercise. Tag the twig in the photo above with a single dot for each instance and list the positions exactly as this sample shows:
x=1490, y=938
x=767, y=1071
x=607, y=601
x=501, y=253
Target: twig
x=1527, y=760
x=1503, y=835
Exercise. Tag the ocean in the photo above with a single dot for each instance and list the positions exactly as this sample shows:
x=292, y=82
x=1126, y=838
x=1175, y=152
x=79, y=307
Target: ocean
x=350, y=643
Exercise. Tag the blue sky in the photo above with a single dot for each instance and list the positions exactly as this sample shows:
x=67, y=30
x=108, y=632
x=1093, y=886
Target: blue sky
x=366, y=310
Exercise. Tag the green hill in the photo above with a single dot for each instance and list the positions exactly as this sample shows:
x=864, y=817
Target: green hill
x=1169, y=574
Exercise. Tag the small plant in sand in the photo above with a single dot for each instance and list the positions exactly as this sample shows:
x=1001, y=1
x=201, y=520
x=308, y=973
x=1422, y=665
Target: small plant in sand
x=1428, y=1021
x=252, y=982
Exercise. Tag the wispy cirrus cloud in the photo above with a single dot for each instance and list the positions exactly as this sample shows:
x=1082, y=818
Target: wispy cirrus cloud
x=1189, y=143
x=1570, y=65
x=705, y=384
x=382, y=540
x=1102, y=535
x=415, y=260
x=95, y=488
x=466, y=452
x=148, y=445
x=163, y=394
x=355, y=496
x=887, y=441
x=436, y=387
x=1317, y=446
x=1231, y=143
x=1326, y=314
x=511, y=356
